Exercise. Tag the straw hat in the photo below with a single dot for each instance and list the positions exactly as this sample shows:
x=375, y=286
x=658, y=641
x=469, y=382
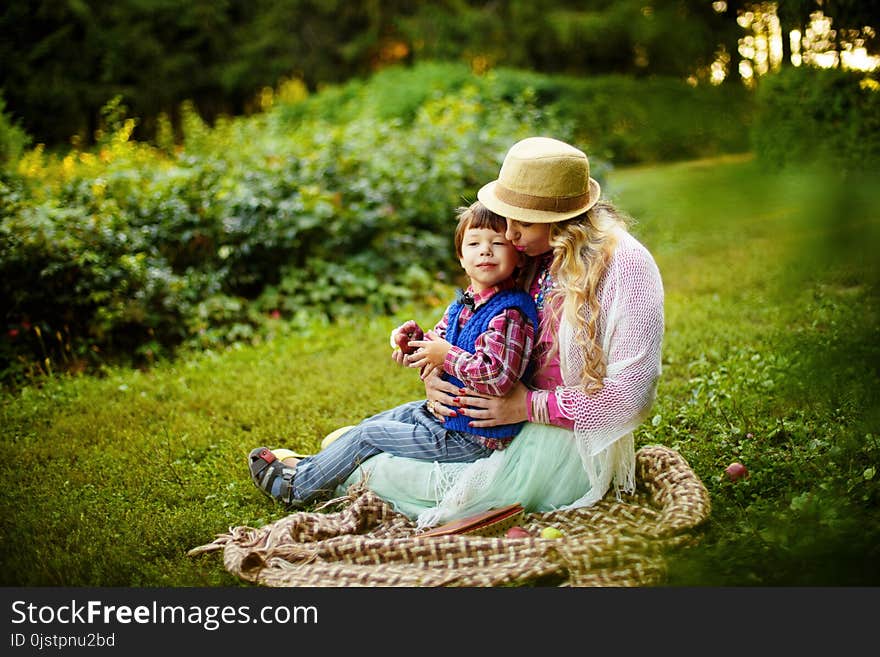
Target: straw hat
x=542, y=180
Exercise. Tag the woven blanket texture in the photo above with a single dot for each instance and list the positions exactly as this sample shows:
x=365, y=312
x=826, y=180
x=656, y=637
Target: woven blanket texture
x=366, y=543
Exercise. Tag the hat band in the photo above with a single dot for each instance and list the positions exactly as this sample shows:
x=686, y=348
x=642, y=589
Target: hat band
x=546, y=203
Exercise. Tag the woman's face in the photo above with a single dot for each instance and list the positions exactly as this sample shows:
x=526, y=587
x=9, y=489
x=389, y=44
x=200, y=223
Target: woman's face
x=531, y=239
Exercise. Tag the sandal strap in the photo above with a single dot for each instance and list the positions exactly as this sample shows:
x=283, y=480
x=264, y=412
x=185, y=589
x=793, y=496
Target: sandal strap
x=266, y=454
x=267, y=469
x=261, y=460
x=273, y=471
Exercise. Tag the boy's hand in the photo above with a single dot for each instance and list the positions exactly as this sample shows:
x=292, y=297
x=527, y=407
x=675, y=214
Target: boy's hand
x=431, y=351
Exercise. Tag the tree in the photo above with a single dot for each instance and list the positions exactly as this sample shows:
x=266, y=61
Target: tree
x=633, y=37
x=793, y=15
x=851, y=17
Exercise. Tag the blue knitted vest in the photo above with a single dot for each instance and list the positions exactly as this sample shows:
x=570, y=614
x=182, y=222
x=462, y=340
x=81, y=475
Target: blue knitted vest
x=465, y=338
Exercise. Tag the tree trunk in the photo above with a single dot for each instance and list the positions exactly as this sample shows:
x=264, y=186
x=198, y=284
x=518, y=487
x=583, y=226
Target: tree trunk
x=786, y=45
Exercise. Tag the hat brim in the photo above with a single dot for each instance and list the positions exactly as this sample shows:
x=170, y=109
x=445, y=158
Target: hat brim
x=488, y=197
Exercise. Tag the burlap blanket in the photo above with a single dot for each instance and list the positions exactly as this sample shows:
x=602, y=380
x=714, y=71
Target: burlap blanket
x=366, y=543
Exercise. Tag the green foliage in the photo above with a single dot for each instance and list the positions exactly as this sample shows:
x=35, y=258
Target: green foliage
x=575, y=37
x=620, y=119
x=61, y=61
x=627, y=120
x=13, y=139
x=324, y=206
x=131, y=250
x=830, y=116
x=396, y=92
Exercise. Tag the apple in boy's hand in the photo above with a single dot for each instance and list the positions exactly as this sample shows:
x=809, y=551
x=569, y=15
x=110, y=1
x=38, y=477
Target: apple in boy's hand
x=736, y=471
x=406, y=332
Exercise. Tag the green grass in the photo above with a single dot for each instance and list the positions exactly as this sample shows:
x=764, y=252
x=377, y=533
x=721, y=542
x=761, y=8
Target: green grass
x=771, y=357
x=109, y=481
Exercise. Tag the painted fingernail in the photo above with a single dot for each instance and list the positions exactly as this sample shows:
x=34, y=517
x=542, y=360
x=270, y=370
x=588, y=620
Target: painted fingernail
x=457, y=400
x=454, y=414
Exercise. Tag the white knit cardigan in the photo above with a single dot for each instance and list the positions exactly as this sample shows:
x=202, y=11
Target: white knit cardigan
x=631, y=334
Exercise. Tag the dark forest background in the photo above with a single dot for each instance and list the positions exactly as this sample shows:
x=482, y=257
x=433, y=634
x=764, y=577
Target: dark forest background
x=61, y=61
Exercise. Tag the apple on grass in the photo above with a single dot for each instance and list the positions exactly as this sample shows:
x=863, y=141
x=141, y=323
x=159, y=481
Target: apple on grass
x=736, y=471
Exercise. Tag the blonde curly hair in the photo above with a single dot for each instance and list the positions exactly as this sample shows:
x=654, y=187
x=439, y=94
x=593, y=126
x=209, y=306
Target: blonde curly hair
x=582, y=248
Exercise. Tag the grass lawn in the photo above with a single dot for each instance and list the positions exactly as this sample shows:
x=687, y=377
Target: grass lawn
x=771, y=358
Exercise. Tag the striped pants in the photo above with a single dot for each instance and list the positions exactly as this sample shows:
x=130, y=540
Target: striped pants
x=408, y=430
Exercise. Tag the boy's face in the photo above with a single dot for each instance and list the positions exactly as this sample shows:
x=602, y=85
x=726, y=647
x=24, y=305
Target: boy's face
x=487, y=257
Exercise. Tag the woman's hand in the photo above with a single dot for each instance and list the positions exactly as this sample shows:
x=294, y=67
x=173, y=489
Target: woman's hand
x=488, y=411
x=399, y=357
x=440, y=395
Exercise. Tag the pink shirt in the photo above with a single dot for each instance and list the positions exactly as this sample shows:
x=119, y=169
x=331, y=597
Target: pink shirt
x=547, y=374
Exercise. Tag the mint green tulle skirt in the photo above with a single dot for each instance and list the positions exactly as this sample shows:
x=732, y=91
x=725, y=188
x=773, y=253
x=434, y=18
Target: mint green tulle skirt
x=541, y=470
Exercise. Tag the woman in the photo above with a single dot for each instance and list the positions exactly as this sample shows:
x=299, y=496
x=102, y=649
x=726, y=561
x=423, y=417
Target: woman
x=600, y=303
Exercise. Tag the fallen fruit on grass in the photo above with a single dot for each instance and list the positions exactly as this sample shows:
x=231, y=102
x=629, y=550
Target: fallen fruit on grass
x=517, y=532
x=409, y=331
x=736, y=471
x=551, y=532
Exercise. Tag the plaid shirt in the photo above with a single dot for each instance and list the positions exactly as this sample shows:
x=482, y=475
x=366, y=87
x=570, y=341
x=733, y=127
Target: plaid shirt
x=501, y=353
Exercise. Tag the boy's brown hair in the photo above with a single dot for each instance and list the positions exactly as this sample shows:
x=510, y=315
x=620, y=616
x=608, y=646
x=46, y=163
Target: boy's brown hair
x=477, y=215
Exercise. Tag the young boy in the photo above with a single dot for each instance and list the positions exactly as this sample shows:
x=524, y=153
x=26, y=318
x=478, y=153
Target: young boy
x=482, y=342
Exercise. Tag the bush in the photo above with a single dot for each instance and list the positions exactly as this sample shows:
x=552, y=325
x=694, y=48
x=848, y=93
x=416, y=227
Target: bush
x=132, y=250
x=627, y=120
x=13, y=139
x=806, y=115
x=616, y=118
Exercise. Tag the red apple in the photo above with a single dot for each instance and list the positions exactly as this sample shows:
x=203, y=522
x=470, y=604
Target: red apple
x=408, y=331
x=736, y=471
x=517, y=532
